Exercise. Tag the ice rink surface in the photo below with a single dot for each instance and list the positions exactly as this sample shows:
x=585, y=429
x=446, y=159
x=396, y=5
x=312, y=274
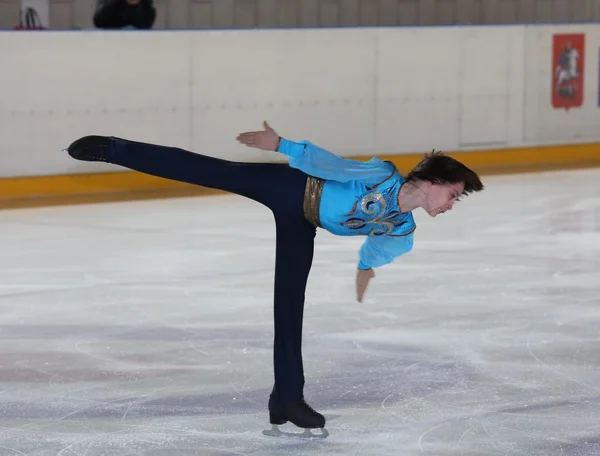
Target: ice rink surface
x=145, y=328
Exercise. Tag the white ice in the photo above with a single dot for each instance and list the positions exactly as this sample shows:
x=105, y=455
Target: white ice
x=145, y=328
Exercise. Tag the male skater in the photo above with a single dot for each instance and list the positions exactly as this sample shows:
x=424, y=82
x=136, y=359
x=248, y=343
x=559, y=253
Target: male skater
x=315, y=189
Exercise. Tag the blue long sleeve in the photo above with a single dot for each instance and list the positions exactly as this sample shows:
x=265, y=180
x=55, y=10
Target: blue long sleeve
x=321, y=163
x=344, y=197
x=379, y=250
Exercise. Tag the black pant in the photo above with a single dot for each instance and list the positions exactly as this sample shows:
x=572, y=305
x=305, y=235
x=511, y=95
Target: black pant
x=280, y=188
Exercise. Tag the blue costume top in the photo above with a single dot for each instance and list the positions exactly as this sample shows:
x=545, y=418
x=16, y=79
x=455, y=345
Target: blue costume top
x=358, y=198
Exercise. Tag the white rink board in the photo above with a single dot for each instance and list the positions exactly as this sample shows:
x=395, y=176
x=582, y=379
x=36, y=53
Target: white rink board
x=373, y=91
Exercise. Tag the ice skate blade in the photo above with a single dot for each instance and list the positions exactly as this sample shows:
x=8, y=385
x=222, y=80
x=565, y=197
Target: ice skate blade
x=307, y=434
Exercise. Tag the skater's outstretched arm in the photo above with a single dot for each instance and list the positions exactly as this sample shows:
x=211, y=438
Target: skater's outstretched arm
x=317, y=161
x=377, y=251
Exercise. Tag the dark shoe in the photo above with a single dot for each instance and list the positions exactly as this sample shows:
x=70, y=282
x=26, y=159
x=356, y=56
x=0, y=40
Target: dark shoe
x=303, y=415
x=90, y=148
x=299, y=413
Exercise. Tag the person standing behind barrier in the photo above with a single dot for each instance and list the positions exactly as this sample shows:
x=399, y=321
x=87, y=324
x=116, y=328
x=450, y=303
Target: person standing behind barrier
x=119, y=14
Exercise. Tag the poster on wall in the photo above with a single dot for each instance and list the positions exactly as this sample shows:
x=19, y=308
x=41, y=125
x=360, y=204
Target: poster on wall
x=568, y=70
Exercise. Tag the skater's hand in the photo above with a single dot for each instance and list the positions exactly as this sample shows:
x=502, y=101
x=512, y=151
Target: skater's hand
x=363, y=276
x=265, y=140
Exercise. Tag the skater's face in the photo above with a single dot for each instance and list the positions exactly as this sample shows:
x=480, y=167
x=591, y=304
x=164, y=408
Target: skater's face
x=441, y=198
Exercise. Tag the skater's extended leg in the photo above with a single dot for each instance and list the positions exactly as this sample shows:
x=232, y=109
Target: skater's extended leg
x=268, y=183
x=293, y=261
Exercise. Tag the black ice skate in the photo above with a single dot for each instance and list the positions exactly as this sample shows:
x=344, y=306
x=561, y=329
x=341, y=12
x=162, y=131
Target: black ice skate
x=90, y=148
x=302, y=415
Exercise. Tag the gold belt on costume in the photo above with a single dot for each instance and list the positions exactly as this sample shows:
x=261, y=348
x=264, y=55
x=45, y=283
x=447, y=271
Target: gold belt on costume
x=312, y=200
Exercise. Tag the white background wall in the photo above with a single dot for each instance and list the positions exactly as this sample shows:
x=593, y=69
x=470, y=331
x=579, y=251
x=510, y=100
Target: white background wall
x=353, y=91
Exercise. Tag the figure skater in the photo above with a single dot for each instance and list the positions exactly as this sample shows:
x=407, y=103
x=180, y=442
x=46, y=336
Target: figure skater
x=314, y=189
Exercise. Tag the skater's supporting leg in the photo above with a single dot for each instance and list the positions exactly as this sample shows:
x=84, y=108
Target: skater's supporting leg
x=293, y=261
x=277, y=186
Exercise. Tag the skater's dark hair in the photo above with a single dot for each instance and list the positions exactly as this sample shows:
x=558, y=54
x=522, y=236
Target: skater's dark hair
x=438, y=168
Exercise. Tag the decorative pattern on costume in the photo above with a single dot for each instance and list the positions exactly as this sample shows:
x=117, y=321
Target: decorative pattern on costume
x=373, y=208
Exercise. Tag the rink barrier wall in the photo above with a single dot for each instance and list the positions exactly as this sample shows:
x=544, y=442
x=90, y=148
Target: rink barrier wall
x=131, y=185
x=485, y=92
